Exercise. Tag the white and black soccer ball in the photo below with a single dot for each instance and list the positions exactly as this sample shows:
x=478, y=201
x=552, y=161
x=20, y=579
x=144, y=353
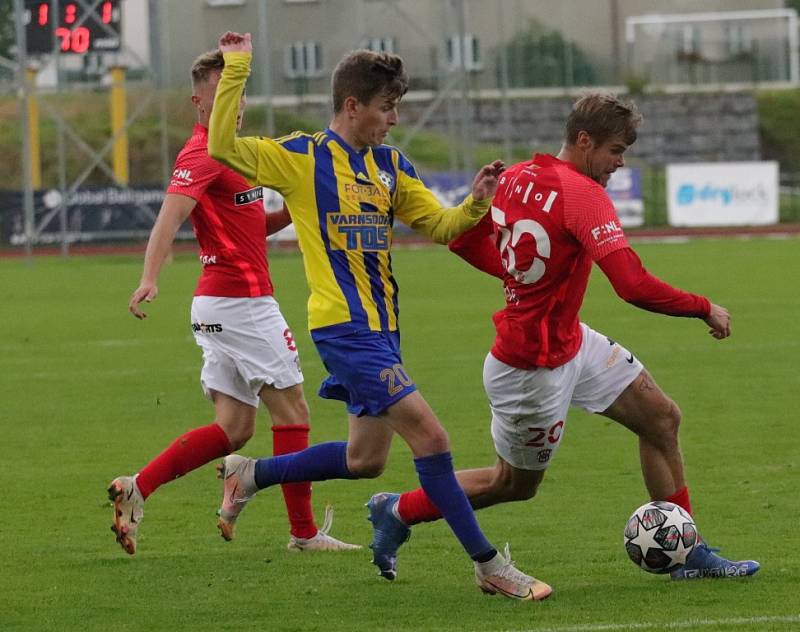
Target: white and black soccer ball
x=660, y=536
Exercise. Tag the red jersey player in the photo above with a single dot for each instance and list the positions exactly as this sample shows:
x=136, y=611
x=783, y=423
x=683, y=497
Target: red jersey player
x=249, y=353
x=550, y=220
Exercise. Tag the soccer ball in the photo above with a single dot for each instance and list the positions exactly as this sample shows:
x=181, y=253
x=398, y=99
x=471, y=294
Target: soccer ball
x=660, y=536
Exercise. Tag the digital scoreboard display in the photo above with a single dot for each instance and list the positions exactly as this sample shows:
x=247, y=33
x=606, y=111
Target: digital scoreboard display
x=79, y=27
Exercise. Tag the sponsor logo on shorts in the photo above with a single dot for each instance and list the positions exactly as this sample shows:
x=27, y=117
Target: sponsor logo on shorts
x=203, y=328
x=511, y=295
x=246, y=197
x=612, y=359
x=544, y=455
x=629, y=358
x=289, y=338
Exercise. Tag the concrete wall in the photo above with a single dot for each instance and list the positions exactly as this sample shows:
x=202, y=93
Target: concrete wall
x=676, y=128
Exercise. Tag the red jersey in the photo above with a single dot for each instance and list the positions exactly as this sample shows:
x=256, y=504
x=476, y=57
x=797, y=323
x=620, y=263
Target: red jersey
x=229, y=222
x=547, y=224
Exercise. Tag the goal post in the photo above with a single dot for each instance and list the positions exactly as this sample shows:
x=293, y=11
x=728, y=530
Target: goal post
x=714, y=48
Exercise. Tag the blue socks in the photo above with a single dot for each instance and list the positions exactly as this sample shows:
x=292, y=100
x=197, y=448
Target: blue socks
x=439, y=481
x=316, y=463
x=326, y=461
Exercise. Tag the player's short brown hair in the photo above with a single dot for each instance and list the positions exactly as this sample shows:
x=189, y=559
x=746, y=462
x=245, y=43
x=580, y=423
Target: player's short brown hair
x=205, y=64
x=603, y=115
x=364, y=73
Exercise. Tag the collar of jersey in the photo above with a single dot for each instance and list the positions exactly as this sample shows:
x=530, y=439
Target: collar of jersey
x=344, y=144
x=546, y=160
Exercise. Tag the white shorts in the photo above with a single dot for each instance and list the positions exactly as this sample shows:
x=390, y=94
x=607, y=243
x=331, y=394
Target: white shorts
x=529, y=407
x=246, y=344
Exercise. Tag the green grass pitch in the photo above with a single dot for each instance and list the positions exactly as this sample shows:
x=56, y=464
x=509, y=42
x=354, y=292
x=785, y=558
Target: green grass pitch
x=89, y=393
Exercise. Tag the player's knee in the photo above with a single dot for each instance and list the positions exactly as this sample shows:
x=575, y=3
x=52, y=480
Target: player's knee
x=513, y=491
x=366, y=469
x=675, y=416
x=662, y=431
x=670, y=420
x=505, y=487
x=365, y=466
x=300, y=412
x=239, y=436
x=437, y=440
x=286, y=406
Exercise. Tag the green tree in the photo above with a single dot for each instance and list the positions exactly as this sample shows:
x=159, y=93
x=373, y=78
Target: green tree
x=539, y=57
x=7, y=28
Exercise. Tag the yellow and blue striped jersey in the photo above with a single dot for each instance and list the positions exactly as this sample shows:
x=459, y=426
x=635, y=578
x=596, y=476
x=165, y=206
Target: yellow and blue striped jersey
x=343, y=204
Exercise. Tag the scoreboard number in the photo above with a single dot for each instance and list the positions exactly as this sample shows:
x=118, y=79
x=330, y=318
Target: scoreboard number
x=77, y=29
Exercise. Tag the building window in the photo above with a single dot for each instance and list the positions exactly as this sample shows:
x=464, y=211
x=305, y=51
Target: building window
x=470, y=46
x=740, y=41
x=303, y=59
x=378, y=44
x=688, y=41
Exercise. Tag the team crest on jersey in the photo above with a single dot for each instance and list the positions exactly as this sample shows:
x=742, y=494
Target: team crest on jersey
x=386, y=179
x=251, y=195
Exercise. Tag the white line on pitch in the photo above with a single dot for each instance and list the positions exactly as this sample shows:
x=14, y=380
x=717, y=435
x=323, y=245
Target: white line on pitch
x=675, y=625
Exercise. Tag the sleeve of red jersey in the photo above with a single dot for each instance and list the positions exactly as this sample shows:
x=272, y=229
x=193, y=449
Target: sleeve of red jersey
x=477, y=247
x=590, y=216
x=194, y=172
x=637, y=286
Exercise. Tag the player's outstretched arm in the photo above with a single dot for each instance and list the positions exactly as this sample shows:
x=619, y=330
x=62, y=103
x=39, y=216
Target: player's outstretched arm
x=174, y=211
x=419, y=208
x=637, y=286
x=476, y=246
x=240, y=154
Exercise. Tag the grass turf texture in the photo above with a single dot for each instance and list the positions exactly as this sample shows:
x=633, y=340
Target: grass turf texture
x=90, y=393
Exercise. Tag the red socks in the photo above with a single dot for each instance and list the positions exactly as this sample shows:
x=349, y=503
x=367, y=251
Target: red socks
x=415, y=507
x=297, y=496
x=188, y=452
x=202, y=445
x=681, y=498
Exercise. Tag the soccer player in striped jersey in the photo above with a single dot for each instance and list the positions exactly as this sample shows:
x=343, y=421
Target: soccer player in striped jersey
x=550, y=220
x=249, y=354
x=344, y=189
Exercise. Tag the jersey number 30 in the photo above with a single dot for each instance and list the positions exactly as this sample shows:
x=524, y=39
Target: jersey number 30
x=509, y=240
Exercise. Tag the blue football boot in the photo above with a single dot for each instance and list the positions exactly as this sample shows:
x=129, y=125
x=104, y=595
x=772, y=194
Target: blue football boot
x=388, y=533
x=704, y=562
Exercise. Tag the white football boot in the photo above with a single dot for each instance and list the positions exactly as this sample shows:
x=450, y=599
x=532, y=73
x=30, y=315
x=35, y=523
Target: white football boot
x=128, y=511
x=499, y=576
x=322, y=541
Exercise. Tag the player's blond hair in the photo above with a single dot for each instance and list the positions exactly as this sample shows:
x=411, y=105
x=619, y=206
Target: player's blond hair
x=205, y=64
x=603, y=115
x=364, y=73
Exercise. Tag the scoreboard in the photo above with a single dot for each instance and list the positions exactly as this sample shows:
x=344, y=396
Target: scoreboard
x=79, y=27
